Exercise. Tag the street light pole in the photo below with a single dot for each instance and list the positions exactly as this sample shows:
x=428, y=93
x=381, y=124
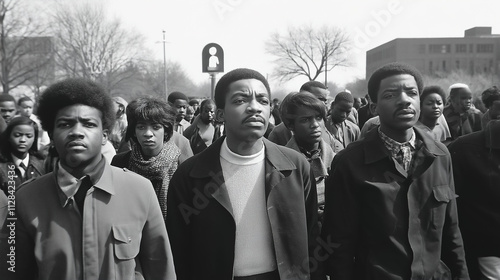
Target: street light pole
x=165, y=67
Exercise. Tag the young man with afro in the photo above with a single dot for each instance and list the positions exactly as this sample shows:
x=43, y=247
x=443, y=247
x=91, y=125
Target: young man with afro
x=87, y=219
x=390, y=198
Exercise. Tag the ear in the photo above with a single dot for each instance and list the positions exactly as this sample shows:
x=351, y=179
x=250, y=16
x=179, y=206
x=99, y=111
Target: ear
x=373, y=108
x=219, y=115
x=104, y=136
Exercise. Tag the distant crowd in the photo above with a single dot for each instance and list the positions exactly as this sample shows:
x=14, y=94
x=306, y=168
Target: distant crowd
x=401, y=182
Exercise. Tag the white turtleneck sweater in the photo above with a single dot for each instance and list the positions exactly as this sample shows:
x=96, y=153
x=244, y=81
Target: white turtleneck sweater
x=244, y=178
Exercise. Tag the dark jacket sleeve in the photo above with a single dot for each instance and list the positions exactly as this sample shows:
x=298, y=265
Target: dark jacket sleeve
x=453, y=254
x=180, y=210
x=341, y=221
x=311, y=198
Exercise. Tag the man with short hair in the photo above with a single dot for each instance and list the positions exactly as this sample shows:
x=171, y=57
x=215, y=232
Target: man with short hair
x=179, y=102
x=87, y=219
x=244, y=208
x=344, y=131
x=461, y=117
x=390, y=198
x=201, y=133
x=7, y=107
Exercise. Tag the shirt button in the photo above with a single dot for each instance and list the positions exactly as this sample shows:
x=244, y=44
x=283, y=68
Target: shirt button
x=129, y=239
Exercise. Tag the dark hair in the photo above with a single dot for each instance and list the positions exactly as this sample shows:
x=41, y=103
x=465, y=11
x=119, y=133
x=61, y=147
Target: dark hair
x=389, y=70
x=206, y=102
x=193, y=102
x=176, y=95
x=454, y=92
x=302, y=99
x=152, y=110
x=490, y=95
x=74, y=91
x=222, y=86
x=283, y=109
x=5, y=147
x=307, y=86
x=432, y=89
x=7, y=97
x=343, y=96
x=22, y=99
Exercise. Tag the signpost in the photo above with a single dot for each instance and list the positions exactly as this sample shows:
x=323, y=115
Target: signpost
x=212, y=58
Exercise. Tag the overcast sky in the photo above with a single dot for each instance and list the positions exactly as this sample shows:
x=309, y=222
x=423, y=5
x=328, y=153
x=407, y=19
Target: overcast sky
x=241, y=27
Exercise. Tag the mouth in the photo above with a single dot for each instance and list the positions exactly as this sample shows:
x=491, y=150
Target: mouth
x=149, y=143
x=405, y=113
x=316, y=134
x=254, y=121
x=21, y=146
x=76, y=145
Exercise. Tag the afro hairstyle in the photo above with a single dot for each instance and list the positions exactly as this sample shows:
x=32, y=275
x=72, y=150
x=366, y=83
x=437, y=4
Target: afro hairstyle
x=223, y=84
x=432, y=89
x=74, y=91
x=392, y=69
x=302, y=99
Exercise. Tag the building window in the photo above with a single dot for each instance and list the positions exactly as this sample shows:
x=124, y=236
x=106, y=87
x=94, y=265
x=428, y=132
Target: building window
x=430, y=67
x=444, y=65
x=461, y=48
x=440, y=48
x=457, y=64
x=485, y=48
x=471, y=48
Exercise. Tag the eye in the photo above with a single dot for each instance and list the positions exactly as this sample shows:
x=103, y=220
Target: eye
x=264, y=101
x=239, y=101
x=63, y=125
x=90, y=124
x=140, y=126
x=157, y=126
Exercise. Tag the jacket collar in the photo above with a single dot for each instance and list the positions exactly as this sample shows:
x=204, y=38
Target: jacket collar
x=105, y=183
x=208, y=162
x=375, y=150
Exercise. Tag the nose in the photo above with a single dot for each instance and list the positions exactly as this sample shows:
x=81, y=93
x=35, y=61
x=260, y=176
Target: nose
x=254, y=106
x=76, y=131
x=404, y=99
x=22, y=139
x=315, y=123
x=148, y=132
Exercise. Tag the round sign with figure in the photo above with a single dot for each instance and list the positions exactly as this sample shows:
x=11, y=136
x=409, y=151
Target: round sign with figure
x=212, y=58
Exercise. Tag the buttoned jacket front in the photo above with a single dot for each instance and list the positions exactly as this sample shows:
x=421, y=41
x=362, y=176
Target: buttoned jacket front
x=389, y=224
x=201, y=224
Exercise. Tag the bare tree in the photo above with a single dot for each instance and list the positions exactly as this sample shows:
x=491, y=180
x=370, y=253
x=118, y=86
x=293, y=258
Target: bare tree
x=305, y=51
x=90, y=45
x=24, y=54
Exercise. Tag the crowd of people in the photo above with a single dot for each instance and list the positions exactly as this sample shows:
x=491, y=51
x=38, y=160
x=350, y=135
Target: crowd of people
x=400, y=184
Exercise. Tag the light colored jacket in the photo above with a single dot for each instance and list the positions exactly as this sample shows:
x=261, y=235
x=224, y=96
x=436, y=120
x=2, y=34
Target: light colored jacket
x=121, y=234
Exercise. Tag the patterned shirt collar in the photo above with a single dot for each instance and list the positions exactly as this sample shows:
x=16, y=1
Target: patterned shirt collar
x=394, y=146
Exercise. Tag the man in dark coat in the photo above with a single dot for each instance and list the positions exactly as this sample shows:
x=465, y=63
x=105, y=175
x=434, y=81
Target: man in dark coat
x=244, y=207
x=390, y=199
x=476, y=167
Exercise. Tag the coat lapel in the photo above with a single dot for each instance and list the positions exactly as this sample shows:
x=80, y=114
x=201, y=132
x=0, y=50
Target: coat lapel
x=208, y=166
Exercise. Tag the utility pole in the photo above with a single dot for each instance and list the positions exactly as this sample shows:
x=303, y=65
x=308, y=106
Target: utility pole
x=165, y=67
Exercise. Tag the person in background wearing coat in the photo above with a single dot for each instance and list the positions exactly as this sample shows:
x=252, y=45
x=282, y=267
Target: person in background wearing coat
x=461, y=117
x=244, y=208
x=390, y=198
x=87, y=219
x=476, y=168
x=19, y=153
x=151, y=124
x=344, y=131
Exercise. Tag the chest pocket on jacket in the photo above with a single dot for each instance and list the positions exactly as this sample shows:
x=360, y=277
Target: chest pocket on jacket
x=442, y=196
x=127, y=241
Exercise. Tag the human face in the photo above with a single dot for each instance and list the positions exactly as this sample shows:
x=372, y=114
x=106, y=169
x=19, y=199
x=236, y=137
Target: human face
x=21, y=139
x=307, y=128
x=320, y=93
x=208, y=113
x=8, y=110
x=463, y=100
x=78, y=137
x=432, y=107
x=150, y=137
x=180, y=106
x=398, y=105
x=247, y=110
x=494, y=110
x=189, y=116
x=26, y=108
x=340, y=110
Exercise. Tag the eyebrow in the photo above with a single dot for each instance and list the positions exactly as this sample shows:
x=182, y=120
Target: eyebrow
x=82, y=119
